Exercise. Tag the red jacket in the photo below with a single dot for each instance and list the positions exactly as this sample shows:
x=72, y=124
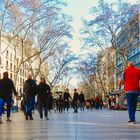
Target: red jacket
x=132, y=79
x=97, y=100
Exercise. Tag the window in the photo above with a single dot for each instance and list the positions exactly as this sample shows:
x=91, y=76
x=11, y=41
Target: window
x=11, y=76
x=137, y=49
x=135, y=41
x=118, y=61
x=14, y=68
x=23, y=73
x=138, y=59
x=20, y=81
x=7, y=54
x=11, y=67
x=134, y=61
x=7, y=65
x=17, y=61
x=11, y=56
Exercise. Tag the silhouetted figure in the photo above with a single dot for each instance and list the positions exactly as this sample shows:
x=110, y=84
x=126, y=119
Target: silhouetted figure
x=50, y=102
x=82, y=101
x=60, y=104
x=6, y=89
x=30, y=90
x=43, y=98
x=66, y=98
x=75, y=101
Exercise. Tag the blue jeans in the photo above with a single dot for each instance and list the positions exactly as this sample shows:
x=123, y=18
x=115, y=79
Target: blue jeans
x=30, y=106
x=8, y=102
x=132, y=104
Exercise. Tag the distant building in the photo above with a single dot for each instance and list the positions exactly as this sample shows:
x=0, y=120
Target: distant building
x=9, y=60
x=105, y=70
x=128, y=40
x=11, y=55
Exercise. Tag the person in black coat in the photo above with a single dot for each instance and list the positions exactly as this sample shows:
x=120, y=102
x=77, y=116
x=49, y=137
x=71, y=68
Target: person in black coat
x=6, y=89
x=66, y=98
x=43, y=98
x=30, y=91
x=75, y=101
x=60, y=104
x=50, y=102
x=82, y=100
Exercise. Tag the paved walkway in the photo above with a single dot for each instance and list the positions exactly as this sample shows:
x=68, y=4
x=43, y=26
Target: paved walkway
x=89, y=125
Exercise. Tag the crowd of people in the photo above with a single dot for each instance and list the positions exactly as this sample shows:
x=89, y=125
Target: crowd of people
x=65, y=101
x=116, y=102
x=46, y=102
x=78, y=102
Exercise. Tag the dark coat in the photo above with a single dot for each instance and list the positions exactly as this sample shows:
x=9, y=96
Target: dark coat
x=66, y=96
x=75, y=97
x=82, y=98
x=50, y=102
x=43, y=92
x=6, y=88
x=30, y=88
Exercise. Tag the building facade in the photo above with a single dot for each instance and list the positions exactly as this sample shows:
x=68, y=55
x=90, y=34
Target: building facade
x=128, y=43
x=105, y=71
x=9, y=59
x=12, y=61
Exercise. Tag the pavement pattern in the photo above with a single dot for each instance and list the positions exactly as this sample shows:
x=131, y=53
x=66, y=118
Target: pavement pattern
x=88, y=125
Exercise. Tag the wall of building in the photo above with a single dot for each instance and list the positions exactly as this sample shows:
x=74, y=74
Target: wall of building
x=11, y=58
x=129, y=40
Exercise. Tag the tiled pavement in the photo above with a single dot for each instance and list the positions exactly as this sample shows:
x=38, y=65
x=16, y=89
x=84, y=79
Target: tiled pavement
x=88, y=125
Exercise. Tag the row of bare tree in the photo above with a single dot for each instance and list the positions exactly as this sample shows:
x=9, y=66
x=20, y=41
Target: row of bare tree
x=101, y=32
x=38, y=29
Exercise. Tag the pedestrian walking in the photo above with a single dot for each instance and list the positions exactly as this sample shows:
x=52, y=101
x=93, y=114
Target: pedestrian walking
x=43, y=98
x=101, y=103
x=60, y=104
x=75, y=101
x=66, y=98
x=82, y=101
x=109, y=102
x=92, y=103
x=51, y=102
x=30, y=91
x=97, y=102
x=131, y=79
x=6, y=92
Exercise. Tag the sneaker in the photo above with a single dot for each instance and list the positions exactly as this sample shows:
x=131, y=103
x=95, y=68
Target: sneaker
x=8, y=120
x=0, y=121
x=129, y=121
x=46, y=118
x=133, y=122
x=31, y=118
x=26, y=117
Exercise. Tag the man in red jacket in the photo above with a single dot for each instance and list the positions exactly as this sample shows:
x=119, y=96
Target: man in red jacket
x=131, y=78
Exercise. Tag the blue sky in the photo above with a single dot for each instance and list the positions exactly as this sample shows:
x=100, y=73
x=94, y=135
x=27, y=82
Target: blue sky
x=78, y=9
